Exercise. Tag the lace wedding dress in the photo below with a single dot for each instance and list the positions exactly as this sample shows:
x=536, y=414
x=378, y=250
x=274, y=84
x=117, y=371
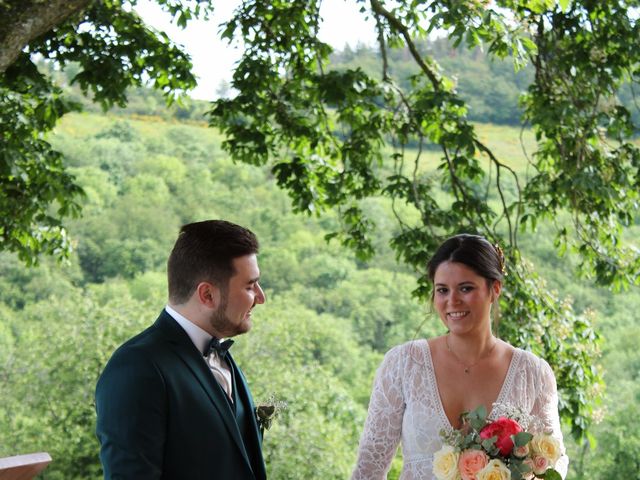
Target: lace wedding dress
x=405, y=406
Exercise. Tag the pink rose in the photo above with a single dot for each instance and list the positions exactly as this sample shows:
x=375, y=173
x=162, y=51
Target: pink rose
x=522, y=451
x=471, y=462
x=540, y=464
x=529, y=463
x=503, y=428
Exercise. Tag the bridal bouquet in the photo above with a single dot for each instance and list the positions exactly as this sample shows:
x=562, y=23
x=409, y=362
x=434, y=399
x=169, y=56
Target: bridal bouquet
x=497, y=450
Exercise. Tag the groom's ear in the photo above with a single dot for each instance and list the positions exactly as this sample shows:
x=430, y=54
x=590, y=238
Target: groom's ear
x=208, y=295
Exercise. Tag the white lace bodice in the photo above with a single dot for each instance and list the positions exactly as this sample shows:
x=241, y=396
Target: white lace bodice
x=405, y=407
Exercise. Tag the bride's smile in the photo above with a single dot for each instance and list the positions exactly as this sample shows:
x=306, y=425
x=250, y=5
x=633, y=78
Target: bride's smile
x=463, y=298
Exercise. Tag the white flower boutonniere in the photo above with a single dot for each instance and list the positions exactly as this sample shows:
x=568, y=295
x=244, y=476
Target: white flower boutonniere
x=267, y=411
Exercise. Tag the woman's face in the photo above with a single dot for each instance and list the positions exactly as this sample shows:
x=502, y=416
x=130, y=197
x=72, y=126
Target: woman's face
x=463, y=298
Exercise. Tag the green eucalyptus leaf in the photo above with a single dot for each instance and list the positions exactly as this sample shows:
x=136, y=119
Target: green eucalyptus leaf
x=520, y=439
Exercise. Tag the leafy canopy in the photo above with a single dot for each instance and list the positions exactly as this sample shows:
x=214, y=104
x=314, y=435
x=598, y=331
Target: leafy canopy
x=334, y=138
x=113, y=50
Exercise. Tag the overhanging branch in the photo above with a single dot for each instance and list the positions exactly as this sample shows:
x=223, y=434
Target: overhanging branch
x=22, y=21
x=378, y=9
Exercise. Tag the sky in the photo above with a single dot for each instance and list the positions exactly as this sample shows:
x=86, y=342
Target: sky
x=213, y=59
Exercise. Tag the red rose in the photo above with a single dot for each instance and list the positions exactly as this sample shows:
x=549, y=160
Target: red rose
x=503, y=428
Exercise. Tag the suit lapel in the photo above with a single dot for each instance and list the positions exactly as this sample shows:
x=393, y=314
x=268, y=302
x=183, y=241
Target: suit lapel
x=182, y=345
x=243, y=394
x=240, y=383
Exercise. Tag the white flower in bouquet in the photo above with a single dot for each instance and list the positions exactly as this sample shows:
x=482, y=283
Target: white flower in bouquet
x=445, y=463
x=546, y=446
x=495, y=470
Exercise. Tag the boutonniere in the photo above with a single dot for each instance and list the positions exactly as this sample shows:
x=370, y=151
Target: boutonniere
x=267, y=411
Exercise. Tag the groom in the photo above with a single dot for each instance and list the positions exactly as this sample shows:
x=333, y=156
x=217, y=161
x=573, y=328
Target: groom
x=171, y=402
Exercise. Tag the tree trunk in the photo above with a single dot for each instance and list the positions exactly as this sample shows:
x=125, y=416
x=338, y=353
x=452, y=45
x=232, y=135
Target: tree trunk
x=21, y=21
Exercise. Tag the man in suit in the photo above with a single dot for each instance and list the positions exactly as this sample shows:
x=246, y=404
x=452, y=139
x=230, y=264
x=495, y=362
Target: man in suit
x=171, y=402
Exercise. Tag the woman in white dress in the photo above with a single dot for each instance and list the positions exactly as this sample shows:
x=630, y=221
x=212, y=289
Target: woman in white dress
x=423, y=386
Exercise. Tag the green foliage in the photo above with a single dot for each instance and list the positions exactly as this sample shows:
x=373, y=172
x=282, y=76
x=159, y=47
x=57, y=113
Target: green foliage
x=334, y=123
x=20, y=286
x=535, y=311
x=489, y=86
x=616, y=437
x=586, y=162
x=324, y=383
x=51, y=377
x=338, y=140
x=110, y=50
x=334, y=137
x=36, y=192
x=328, y=317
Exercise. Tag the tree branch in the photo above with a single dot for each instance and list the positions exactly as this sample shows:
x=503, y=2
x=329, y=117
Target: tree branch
x=22, y=21
x=383, y=48
x=512, y=227
x=378, y=9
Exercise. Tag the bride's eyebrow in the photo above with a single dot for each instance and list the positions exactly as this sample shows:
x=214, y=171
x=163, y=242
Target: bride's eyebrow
x=467, y=282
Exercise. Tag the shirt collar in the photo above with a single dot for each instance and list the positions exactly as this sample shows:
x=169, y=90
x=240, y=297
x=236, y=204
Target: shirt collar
x=198, y=336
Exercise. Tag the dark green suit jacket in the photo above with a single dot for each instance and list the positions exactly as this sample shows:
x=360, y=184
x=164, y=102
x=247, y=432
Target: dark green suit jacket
x=162, y=414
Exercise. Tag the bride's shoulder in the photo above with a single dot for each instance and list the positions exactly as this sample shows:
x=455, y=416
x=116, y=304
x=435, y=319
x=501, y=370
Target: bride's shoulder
x=531, y=361
x=414, y=350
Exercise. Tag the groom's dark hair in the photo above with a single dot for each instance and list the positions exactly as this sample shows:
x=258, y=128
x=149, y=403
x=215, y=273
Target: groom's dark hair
x=204, y=252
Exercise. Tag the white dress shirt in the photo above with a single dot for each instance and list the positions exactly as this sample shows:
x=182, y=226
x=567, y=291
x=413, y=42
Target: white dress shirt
x=200, y=338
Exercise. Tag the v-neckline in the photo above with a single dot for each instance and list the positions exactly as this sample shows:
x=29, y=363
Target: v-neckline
x=436, y=390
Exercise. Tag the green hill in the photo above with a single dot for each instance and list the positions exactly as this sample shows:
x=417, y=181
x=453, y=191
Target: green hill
x=316, y=342
x=490, y=87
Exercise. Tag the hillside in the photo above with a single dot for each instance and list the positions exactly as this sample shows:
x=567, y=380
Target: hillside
x=316, y=342
x=491, y=88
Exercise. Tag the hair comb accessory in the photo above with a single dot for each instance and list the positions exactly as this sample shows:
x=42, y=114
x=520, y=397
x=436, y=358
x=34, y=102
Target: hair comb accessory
x=500, y=253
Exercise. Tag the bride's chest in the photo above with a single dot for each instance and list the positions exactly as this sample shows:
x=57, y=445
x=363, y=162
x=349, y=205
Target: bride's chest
x=427, y=403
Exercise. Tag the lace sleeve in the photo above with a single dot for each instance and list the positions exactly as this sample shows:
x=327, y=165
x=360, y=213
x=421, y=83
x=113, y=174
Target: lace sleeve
x=546, y=408
x=383, y=426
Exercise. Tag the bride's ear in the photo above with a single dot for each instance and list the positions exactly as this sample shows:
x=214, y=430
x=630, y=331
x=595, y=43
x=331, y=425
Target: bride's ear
x=496, y=288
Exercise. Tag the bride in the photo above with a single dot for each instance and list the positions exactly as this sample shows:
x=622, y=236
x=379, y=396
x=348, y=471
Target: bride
x=423, y=386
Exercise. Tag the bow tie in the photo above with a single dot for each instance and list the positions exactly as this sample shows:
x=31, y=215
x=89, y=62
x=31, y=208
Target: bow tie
x=221, y=348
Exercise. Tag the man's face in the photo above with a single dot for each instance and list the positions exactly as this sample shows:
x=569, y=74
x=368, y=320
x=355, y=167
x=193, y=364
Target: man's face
x=233, y=315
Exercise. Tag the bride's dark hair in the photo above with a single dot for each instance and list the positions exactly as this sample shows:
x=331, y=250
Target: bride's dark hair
x=473, y=251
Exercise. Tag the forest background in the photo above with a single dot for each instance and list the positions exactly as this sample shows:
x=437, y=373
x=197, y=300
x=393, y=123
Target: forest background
x=329, y=318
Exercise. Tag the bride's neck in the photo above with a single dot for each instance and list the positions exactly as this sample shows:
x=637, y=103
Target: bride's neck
x=471, y=347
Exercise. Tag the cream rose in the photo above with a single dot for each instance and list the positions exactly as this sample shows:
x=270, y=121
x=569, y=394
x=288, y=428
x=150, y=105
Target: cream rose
x=495, y=470
x=546, y=446
x=471, y=462
x=445, y=463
